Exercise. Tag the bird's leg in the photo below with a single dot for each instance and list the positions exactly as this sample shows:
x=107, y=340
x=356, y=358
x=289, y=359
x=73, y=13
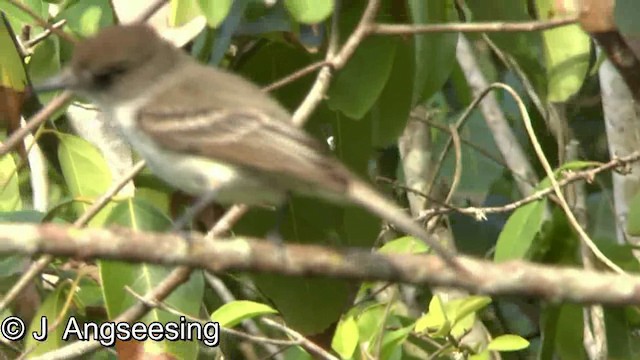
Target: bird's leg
x=192, y=211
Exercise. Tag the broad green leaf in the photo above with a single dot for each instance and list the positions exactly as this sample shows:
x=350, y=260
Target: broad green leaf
x=562, y=326
x=86, y=17
x=392, y=342
x=51, y=309
x=620, y=324
x=309, y=12
x=435, y=321
x=19, y=18
x=404, y=245
x=468, y=305
x=358, y=85
x=215, y=11
x=183, y=11
x=345, y=338
x=371, y=322
x=390, y=112
x=508, y=342
x=518, y=235
x=12, y=75
x=455, y=317
x=9, y=187
x=567, y=53
x=86, y=173
x=141, y=278
x=45, y=63
x=235, y=312
x=435, y=54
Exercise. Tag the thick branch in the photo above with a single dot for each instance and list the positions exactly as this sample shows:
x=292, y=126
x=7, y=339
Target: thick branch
x=245, y=254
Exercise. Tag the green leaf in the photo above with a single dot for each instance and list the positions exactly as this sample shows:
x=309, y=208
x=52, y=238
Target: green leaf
x=356, y=88
x=141, y=278
x=309, y=12
x=235, y=312
x=51, y=309
x=215, y=11
x=9, y=186
x=86, y=17
x=467, y=305
x=19, y=18
x=44, y=63
x=371, y=322
x=518, y=235
x=86, y=173
x=390, y=112
x=345, y=338
x=508, y=342
x=392, y=342
x=562, y=326
x=183, y=11
x=435, y=321
x=12, y=73
x=454, y=317
x=358, y=85
x=435, y=54
x=567, y=53
x=404, y=245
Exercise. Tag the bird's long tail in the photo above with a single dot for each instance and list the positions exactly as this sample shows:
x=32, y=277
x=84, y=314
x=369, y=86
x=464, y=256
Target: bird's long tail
x=363, y=194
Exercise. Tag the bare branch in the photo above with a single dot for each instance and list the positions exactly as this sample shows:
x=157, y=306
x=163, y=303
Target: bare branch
x=401, y=29
x=254, y=255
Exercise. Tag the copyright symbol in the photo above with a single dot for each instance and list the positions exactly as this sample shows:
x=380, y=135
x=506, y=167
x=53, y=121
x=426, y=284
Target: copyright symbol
x=13, y=328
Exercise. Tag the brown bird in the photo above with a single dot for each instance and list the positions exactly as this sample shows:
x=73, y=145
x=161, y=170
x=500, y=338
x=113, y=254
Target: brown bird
x=209, y=132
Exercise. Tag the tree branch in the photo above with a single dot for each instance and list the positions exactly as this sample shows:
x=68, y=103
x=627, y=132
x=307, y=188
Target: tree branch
x=247, y=254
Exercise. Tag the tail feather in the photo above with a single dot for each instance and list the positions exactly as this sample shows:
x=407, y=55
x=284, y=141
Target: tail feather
x=364, y=195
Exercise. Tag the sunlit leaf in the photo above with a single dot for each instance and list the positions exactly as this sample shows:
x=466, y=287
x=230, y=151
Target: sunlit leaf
x=233, y=313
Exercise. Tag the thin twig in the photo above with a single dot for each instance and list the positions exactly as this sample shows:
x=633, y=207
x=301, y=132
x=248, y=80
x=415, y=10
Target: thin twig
x=480, y=212
x=401, y=29
x=295, y=76
x=306, y=343
x=43, y=35
x=42, y=22
x=17, y=137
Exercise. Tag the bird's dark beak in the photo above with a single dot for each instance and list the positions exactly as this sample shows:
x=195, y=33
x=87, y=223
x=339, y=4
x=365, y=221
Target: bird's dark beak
x=65, y=80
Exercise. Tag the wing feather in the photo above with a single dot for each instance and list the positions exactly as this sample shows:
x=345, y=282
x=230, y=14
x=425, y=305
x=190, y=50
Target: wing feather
x=258, y=141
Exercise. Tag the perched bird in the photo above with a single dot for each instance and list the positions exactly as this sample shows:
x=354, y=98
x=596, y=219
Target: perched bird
x=209, y=132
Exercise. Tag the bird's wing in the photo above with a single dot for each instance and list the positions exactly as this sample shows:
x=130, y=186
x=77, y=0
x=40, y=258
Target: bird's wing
x=245, y=137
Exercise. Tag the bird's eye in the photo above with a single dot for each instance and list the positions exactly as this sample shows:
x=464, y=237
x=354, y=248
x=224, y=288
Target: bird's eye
x=105, y=77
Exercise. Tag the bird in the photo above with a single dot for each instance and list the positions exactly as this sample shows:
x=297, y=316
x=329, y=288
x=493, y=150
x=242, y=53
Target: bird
x=210, y=132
